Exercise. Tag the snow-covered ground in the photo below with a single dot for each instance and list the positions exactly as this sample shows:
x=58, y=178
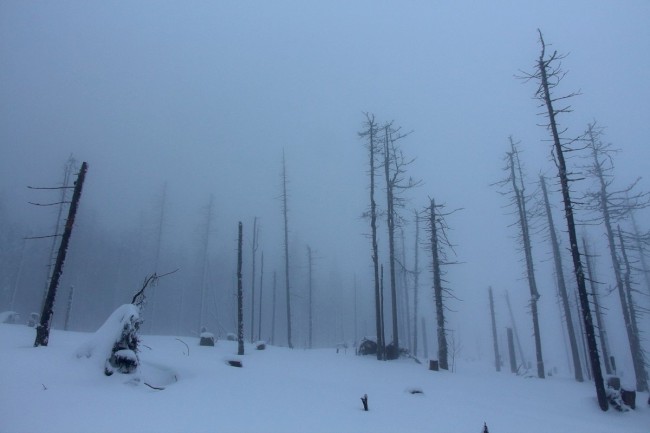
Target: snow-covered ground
x=49, y=389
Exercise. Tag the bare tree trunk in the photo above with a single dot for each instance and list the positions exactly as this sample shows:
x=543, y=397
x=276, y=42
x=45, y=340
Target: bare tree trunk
x=390, y=224
x=286, y=249
x=240, y=294
x=514, y=328
x=511, y=351
x=259, y=321
x=254, y=246
x=520, y=198
x=495, y=343
x=559, y=273
x=602, y=332
x=544, y=93
x=637, y=352
x=371, y=133
x=416, y=283
x=273, y=307
x=437, y=288
x=310, y=300
x=43, y=329
x=407, y=301
x=425, y=343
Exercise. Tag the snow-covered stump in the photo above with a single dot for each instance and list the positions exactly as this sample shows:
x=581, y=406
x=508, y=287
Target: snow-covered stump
x=260, y=345
x=433, y=365
x=367, y=347
x=206, y=338
x=115, y=344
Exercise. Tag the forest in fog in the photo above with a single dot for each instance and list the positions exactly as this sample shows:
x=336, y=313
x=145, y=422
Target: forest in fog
x=424, y=129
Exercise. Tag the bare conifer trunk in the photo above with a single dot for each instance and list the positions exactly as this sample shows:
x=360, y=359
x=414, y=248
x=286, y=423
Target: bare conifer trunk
x=437, y=288
x=520, y=199
x=254, y=246
x=602, y=332
x=495, y=342
x=390, y=224
x=544, y=67
x=416, y=283
x=559, y=274
x=43, y=328
x=286, y=248
x=240, y=295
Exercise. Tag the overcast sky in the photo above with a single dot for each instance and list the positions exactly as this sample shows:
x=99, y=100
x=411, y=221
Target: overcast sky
x=206, y=95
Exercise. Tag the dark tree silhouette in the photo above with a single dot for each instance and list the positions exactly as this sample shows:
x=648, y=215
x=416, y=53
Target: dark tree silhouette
x=43, y=328
x=548, y=75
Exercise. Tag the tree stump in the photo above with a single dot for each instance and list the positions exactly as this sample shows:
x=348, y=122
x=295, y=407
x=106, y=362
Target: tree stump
x=629, y=398
x=433, y=365
x=364, y=400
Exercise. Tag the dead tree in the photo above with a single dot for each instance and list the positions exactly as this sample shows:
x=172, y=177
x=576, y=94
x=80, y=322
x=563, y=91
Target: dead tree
x=254, y=246
x=516, y=333
x=561, y=285
x=613, y=206
x=259, y=317
x=395, y=165
x=593, y=286
x=310, y=296
x=43, y=329
x=439, y=244
x=273, y=307
x=633, y=312
x=548, y=74
x=495, y=341
x=285, y=213
x=370, y=134
x=416, y=281
x=240, y=294
x=519, y=199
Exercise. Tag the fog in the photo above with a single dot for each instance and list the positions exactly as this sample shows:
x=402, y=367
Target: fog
x=187, y=101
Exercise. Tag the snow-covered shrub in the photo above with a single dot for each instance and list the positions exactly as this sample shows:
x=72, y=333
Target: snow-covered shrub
x=115, y=344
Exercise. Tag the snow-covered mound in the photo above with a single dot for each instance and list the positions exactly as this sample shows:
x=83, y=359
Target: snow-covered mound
x=124, y=320
x=280, y=390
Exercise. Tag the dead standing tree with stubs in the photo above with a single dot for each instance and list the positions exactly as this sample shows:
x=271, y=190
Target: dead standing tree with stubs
x=548, y=74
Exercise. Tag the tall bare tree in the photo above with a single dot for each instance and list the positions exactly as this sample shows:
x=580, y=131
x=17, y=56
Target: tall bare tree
x=240, y=293
x=254, y=246
x=395, y=165
x=495, y=340
x=519, y=199
x=285, y=212
x=561, y=285
x=613, y=206
x=548, y=75
x=43, y=328
x=370, y=132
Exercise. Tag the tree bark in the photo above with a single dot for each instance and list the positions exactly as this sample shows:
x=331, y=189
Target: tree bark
x=43, y=329
x=240, y=295
x=437, y=288
x=544, y=93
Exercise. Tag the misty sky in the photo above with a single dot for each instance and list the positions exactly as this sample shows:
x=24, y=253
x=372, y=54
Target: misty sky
x=206, y=95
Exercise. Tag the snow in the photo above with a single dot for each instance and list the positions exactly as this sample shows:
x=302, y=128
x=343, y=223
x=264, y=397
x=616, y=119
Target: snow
x=279, y=390
x=9, y=317
x=100, y=345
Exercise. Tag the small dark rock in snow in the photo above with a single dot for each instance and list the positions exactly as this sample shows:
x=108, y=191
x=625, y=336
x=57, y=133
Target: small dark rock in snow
x=260, y=345
x=235, y=363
